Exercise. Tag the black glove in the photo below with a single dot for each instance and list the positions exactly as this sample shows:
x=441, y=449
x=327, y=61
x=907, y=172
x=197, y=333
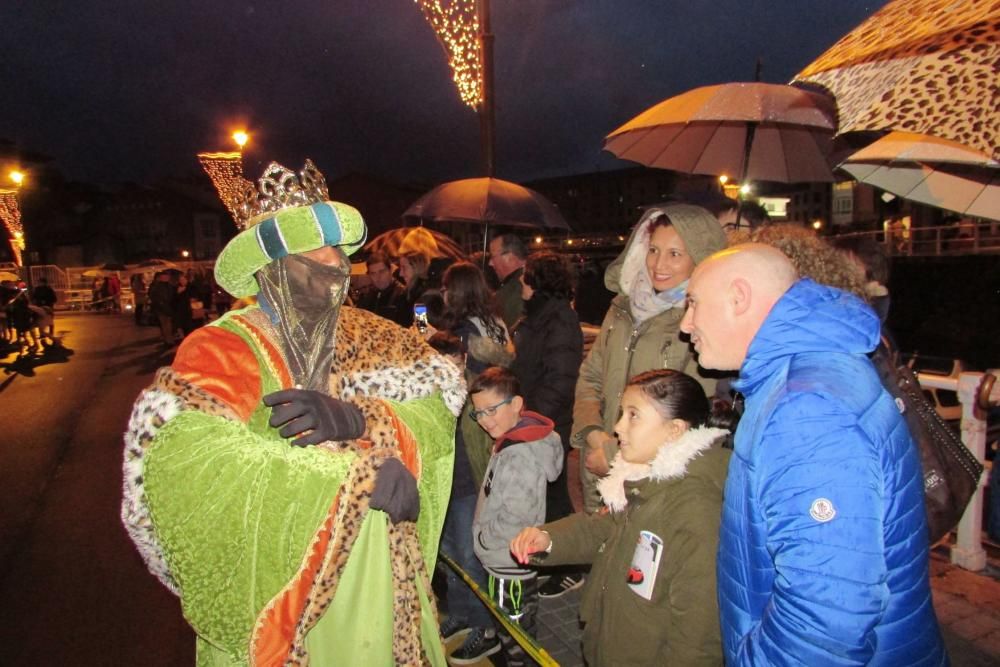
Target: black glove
x=304, y=409
x=396, y=492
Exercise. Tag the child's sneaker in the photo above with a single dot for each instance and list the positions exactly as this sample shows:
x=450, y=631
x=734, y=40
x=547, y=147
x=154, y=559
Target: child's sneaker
x=557, y=586
x=476, y=646
x=453, y=628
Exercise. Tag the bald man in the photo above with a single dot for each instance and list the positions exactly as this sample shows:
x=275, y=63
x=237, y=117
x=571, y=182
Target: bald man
x=823, y=554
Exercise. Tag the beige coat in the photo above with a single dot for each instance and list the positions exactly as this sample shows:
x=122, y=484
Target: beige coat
x=621, y=351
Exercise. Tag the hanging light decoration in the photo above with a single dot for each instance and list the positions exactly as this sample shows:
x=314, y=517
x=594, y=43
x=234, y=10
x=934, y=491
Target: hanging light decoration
x=10, y=213
x=226, y=172
x=457, y=27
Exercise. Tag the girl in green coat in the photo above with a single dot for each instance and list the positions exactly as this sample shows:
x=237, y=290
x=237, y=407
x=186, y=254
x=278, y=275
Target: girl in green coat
x=651, y=595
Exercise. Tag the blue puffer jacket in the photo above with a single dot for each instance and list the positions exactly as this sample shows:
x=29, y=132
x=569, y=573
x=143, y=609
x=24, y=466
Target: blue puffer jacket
x=823, y=554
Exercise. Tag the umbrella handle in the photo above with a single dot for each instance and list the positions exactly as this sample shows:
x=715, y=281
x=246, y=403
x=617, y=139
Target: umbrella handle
x=486, y=236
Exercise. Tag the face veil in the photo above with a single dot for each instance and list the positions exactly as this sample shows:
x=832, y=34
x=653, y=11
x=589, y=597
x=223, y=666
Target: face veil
x=306, y=296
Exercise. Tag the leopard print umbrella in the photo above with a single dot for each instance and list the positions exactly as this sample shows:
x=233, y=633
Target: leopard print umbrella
x=925, y=66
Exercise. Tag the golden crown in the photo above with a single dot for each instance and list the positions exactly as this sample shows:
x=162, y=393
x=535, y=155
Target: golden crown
x=279, y=188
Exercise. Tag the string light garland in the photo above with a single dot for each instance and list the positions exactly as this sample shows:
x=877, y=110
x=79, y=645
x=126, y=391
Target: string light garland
x=226, y=172
x=457, y=27
x=10, y=213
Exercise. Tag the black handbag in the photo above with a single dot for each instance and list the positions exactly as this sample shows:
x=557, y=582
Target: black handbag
x=951, y=472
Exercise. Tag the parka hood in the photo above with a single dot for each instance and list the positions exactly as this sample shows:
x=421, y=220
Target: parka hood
x=534, y=429
x=809, y=317
x=670, y=462
x=697, y=227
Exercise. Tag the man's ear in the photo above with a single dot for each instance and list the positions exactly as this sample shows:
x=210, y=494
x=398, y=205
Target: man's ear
x=518, y=404
x=739, y=294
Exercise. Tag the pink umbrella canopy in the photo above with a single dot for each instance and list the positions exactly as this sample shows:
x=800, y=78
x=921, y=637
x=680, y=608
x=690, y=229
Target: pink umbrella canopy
x=707, y=131
x=489, y=201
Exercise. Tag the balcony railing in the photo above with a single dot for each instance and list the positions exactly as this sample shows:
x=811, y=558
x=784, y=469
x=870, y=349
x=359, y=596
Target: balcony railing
x=966, y=238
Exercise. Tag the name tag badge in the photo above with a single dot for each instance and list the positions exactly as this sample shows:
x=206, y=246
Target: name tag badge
x=645, y=564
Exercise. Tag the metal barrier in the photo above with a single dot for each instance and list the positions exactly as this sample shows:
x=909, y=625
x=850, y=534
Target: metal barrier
x=527, y=642
x=977, y=392
x=941, y=241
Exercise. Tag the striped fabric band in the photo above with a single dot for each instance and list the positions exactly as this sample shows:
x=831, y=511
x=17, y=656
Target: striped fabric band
x=287, y=232
x=311, y=226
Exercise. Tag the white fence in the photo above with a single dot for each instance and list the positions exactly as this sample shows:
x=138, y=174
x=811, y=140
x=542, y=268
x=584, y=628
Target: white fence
x=976, y=392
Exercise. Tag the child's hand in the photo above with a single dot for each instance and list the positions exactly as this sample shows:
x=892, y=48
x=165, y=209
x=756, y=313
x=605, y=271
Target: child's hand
x=527, y=542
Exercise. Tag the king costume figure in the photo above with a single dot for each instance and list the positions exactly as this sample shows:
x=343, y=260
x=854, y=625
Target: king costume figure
x=287, y=475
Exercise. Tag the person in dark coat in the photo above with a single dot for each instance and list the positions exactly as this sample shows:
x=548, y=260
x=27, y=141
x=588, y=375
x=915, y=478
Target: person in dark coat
x=387, y=296
x=507, y=257
x=161, y=304
x=548, y=346
x=413, y=268
x=45, y=298
x=183, y=317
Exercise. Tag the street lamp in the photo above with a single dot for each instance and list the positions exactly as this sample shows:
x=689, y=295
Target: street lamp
x=185, y=254
x=16, y=176
x=226, y=172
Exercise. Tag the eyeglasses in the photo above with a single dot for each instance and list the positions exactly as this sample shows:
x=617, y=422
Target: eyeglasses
x=490, y=411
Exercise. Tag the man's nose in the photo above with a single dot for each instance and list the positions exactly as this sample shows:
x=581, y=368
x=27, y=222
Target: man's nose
x=686, y=321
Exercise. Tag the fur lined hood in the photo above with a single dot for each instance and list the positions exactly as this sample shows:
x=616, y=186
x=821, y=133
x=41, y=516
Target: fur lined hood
x=671, y=462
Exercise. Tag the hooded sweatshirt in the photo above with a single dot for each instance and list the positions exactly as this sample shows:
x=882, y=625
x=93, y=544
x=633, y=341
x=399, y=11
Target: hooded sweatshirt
x=512, y=496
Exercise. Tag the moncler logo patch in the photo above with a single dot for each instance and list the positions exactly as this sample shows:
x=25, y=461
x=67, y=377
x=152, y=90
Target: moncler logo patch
x=822, y=510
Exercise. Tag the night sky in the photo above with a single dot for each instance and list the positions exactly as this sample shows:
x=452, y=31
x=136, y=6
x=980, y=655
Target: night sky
x=133, y=89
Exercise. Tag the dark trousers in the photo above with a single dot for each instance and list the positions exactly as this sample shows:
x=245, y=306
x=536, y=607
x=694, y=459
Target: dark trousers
x=456, y=544
x=519, y=599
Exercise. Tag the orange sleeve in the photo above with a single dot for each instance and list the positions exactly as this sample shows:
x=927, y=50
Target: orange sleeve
x=221, y=363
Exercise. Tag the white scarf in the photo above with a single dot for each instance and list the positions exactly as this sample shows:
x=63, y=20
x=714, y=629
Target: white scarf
x=644, y=301
x=670, y=462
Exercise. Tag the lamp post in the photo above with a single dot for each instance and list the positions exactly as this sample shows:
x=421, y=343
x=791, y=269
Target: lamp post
x=487, y=116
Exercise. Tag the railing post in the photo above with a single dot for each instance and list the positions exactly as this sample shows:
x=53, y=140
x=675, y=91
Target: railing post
x=968, y=552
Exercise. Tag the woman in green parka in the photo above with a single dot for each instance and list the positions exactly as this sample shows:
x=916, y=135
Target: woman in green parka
x=650, y=598
x=641, y=331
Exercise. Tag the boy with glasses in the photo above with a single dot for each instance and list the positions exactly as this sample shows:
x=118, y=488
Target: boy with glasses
x=527, y=454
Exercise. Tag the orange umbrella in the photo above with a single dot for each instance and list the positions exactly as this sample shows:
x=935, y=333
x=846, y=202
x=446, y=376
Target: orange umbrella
x=434, y=243
x=927, y=66
x=755, y=131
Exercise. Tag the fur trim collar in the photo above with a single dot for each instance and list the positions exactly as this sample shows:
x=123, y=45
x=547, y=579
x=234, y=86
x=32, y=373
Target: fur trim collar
x=670, y=462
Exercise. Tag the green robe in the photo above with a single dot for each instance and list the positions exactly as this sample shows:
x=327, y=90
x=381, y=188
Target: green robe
x=234, y=508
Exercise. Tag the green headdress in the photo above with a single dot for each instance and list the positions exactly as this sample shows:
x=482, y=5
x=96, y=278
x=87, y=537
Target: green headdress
x=286, y=215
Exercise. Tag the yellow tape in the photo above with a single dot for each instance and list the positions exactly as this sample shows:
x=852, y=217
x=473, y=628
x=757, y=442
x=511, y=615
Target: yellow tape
x=530, y=646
